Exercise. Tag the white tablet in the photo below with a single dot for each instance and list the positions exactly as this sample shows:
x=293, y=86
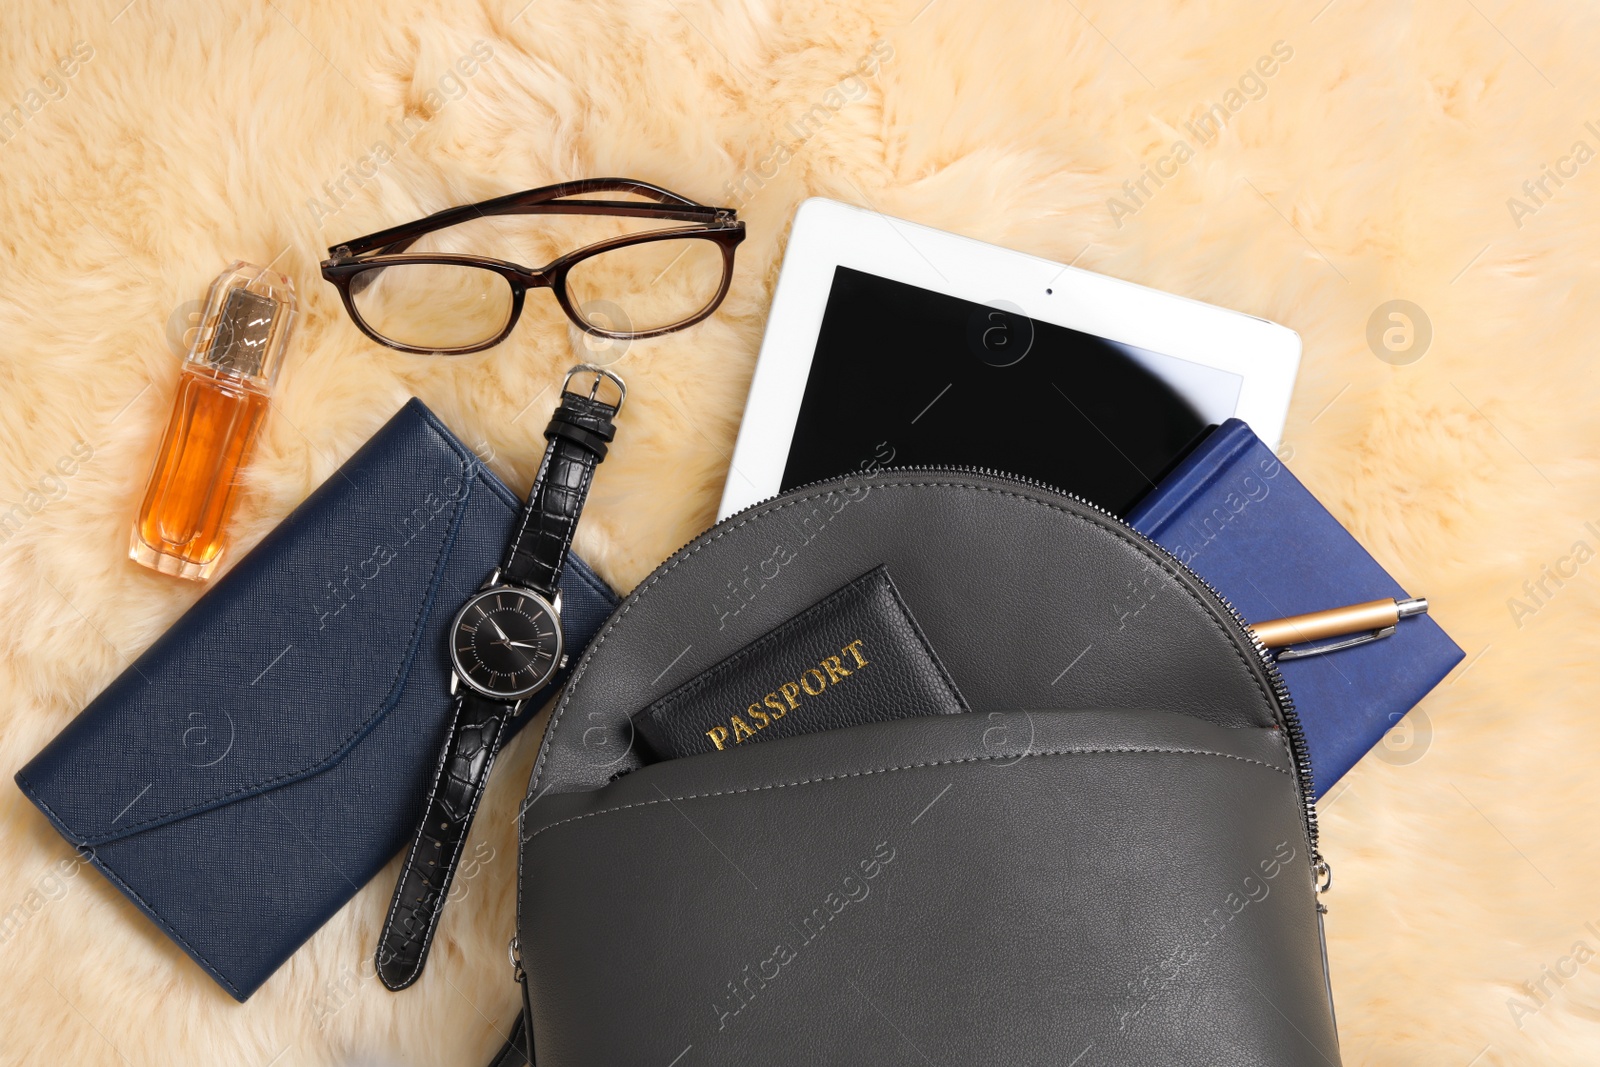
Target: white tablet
x=893, y=344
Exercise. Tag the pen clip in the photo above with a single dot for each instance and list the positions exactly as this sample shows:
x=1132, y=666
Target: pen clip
x=1334, y=646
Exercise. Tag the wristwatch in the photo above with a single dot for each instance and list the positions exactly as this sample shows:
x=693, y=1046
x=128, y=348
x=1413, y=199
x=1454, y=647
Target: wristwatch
x=505, y=644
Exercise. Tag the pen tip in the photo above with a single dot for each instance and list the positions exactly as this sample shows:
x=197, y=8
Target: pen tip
x=1417, y=605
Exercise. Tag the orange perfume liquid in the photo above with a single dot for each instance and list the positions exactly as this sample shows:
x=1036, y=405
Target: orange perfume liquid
x=223, y=394
x=183, y=521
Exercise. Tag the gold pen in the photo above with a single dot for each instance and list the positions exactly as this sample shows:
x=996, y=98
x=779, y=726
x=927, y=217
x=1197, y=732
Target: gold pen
x=1367, y=622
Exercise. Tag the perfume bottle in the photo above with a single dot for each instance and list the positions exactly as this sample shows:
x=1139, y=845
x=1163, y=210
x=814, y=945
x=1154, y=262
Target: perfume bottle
x=222, y=399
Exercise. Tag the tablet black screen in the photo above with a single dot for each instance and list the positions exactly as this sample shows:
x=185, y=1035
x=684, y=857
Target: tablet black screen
x=903, y=376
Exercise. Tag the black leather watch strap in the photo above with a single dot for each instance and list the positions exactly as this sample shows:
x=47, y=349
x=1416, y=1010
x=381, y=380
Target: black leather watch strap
x=578, y=433
x=477, y=728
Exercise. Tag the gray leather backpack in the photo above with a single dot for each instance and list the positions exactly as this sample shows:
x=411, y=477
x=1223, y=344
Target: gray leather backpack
x=1111, y=859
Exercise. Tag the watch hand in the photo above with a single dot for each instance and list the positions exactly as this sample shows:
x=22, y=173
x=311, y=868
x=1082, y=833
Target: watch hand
x=490, y=620
x=508, y=642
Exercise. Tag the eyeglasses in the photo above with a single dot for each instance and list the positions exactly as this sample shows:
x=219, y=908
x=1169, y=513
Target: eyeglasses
x=416, y=288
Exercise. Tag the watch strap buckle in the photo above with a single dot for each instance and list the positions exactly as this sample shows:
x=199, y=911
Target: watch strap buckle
x=600, y=374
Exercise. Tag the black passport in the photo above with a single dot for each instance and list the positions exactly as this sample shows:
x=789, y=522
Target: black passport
x=856, y=656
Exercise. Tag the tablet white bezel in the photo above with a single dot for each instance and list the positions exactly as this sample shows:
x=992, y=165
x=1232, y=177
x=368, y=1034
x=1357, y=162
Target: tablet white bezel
x=828, y=234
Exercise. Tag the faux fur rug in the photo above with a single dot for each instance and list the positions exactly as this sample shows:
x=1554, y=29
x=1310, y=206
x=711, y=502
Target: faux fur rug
x=1312, y=162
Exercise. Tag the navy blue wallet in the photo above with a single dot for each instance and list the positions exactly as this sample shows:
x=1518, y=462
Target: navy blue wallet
x=272, y=750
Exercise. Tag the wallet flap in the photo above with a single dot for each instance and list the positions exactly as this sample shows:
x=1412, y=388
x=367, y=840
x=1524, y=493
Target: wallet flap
x=233, y=701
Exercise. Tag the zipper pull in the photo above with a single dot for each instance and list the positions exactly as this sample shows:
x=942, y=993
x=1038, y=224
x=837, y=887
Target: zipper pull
x=514, y=953
x=1322, y=875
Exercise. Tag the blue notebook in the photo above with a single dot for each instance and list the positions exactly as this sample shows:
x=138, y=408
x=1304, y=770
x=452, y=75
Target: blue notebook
x=1232, y=511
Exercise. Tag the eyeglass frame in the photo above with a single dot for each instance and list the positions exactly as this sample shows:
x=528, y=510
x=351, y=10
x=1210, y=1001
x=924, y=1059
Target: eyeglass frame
x=719, y=225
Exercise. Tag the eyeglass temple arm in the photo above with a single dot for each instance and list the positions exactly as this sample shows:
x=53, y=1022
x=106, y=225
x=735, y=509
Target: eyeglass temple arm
x=603, y=185
x=546, y=201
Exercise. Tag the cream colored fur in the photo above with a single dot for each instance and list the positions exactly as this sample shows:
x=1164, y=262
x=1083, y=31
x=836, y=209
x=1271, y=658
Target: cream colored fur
x=1377, y=165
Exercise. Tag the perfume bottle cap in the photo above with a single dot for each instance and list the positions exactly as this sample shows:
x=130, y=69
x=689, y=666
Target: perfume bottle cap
x=246, y=323
x=242, y=333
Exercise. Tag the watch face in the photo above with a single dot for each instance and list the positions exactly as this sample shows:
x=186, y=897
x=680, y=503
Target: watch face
x=506, y=642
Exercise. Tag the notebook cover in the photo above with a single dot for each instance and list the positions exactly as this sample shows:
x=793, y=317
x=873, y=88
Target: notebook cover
x=271, y=751
x=1242, y=520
